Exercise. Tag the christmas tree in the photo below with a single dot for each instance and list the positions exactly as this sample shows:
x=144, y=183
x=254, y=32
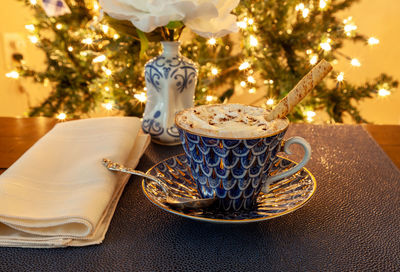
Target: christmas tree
x=90, y=65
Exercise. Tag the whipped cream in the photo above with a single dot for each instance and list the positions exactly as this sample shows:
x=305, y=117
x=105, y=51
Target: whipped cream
x=229, y=121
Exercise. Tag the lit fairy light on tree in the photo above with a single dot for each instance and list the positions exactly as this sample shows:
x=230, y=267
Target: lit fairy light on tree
x=251, y=79
x=373, y=41
x=245, y=65
x=326, y=45
x=12, y=74
x=108, y=106
x=253, y=41
x=214, y=71
x=100, y=58
x=340, y=77
x=141, y=97
x=87, y=41
x=310, y=115
x=323, y=4
x=270, y=102
x=212, y=41
x=355, y=62
x=33, y=39
x=30, y=27
x=314, y=59
x=383, y=92
x=61, y=116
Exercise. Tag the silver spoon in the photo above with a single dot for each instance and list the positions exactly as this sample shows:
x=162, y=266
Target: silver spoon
x=174, y=201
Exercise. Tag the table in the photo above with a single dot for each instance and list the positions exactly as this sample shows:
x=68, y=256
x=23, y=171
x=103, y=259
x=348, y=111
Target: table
x=18, y=134
x=350, y=224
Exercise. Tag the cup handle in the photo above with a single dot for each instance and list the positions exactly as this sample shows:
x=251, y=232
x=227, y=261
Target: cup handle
x=286, y=148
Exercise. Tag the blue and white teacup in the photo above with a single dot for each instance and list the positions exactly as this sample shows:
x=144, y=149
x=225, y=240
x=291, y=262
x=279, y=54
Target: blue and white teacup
x=236, y=170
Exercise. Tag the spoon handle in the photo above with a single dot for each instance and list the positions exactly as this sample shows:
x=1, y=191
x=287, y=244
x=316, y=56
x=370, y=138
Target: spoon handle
x=302, y=88
x=113, y=166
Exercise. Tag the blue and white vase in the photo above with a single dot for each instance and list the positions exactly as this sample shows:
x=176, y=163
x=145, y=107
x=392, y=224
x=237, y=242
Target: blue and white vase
x=170, y=80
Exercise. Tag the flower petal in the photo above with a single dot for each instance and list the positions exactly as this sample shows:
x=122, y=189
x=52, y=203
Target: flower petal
x=213, y=28
x=199, y=15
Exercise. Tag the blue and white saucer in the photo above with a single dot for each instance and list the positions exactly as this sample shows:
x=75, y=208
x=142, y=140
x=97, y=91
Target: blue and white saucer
x=285, y=196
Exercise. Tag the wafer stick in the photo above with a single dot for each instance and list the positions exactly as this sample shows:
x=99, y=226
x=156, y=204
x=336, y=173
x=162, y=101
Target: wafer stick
x=303, y=87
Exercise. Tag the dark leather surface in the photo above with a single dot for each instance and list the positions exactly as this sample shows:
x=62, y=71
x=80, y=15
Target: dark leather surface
x=351, y=224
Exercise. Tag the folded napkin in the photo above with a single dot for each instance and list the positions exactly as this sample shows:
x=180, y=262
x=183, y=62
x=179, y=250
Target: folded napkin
x=58, y=193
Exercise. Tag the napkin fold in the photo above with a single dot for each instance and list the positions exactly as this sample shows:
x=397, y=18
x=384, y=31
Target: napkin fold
x=58, y=193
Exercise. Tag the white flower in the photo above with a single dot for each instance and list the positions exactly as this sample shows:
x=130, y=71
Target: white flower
x=207, y=18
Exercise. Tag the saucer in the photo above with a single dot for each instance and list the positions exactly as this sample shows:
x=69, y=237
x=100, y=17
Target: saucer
x=284, y=196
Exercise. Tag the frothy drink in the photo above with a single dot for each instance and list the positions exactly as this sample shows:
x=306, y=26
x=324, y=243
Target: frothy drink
x=229, y=121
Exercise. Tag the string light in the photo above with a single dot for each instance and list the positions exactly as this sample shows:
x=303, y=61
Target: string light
x=87, y=41
x=373, y=41
x=33, y=2
x=96, y=6
x=253, y=41
x=58, y=26
x=383, y=92
x=70, y=48
x=252, y=90
x=250, y=21
x=326, y=45
x=349, y=26
x=241, y=24
x=340, y=77
x=322, y=4
x=33, y=39
x=251, y=79
x=270, y=102
x=300, y=7
x=310, y=115
x=61, y=116
x=243, y=83
x=100, y=58
x=309, y=51
x=108, y=106
x=30, y=27
x=107, y=89
x=313, y=59
x=12, y=74
x=116, y=36
x=105, y=28
x=214, y=71
x=212, y=41
x=306, y=11
x=345, y=21
x=209, y=98
x=141, y=97
x=106, y=70
x=355, y=62
x=244, y=66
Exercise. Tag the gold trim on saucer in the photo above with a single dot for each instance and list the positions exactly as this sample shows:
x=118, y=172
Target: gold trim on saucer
x=236, y=221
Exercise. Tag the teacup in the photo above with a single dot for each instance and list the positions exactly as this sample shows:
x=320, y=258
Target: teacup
x=236, y=169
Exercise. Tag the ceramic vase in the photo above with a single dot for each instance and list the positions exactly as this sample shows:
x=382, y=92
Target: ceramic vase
x=170, y=80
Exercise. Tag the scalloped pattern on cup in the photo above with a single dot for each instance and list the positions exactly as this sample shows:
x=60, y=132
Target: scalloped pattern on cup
x=234, y=170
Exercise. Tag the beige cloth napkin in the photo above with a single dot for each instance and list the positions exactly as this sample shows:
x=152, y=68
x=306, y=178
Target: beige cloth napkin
x=58, y=193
